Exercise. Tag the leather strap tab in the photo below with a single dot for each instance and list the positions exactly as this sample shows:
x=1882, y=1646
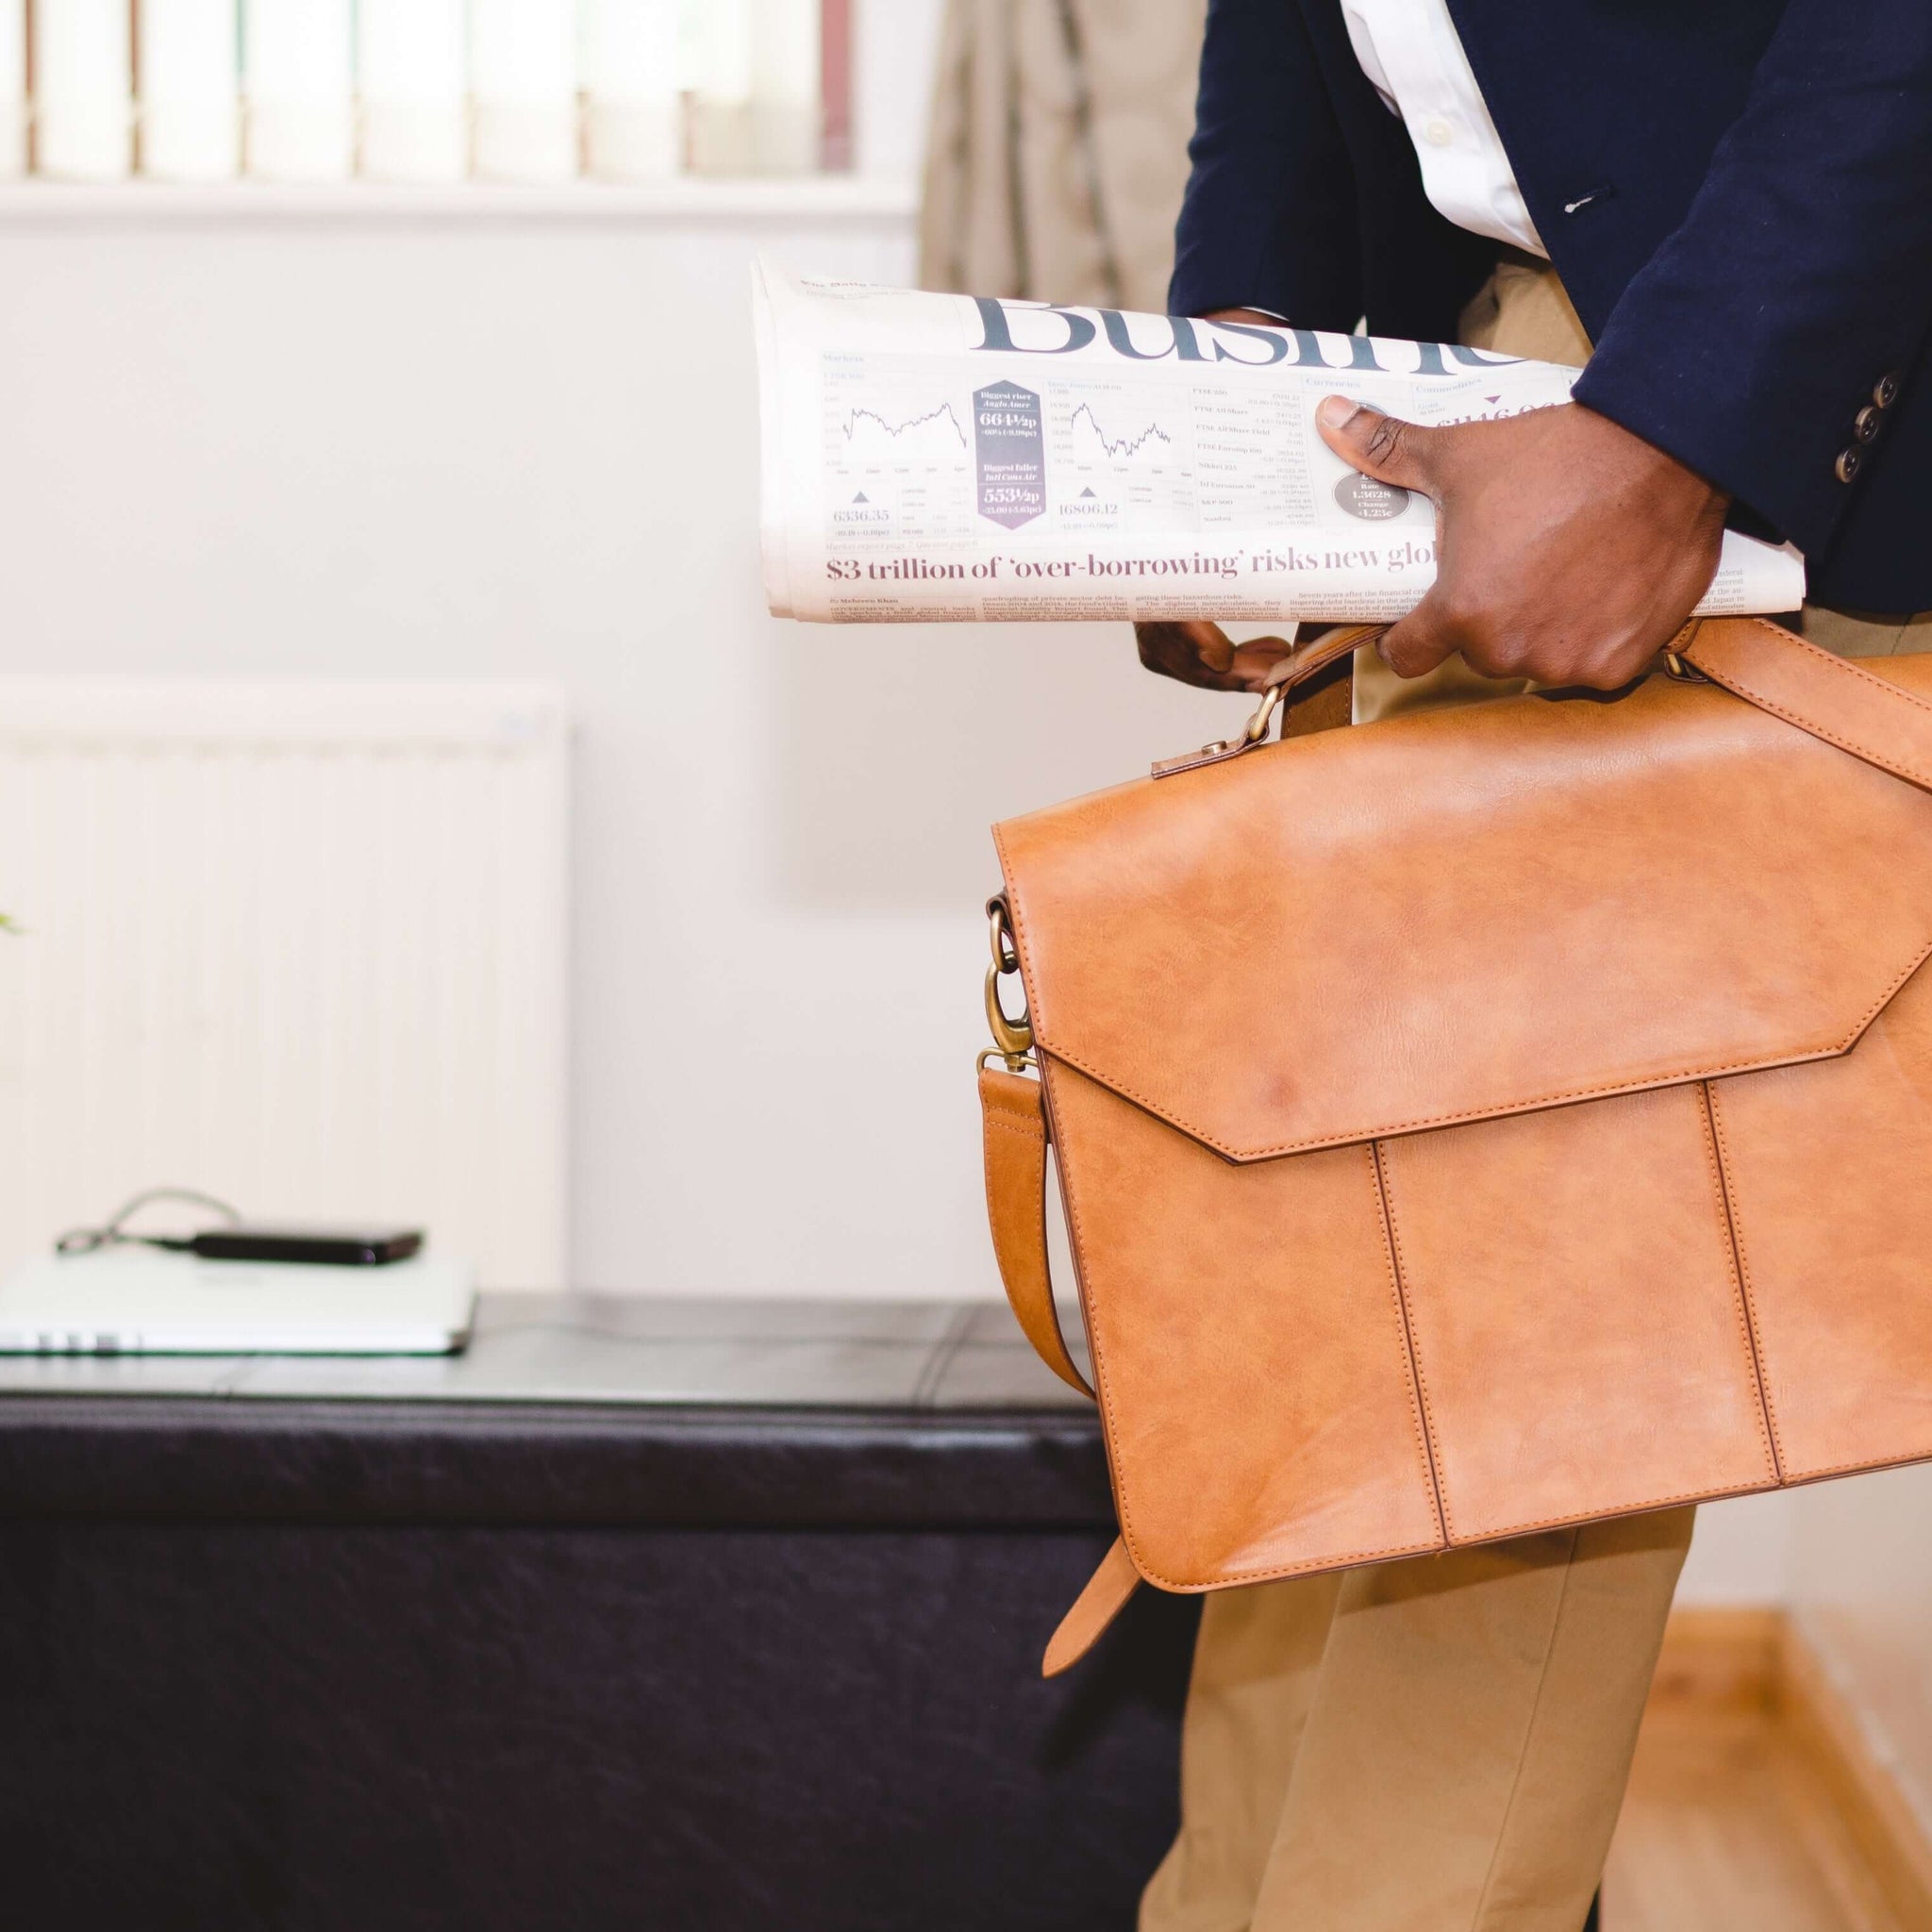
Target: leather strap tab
x=1013, y=1127
x=1834, y=698
x=1096, y=1606
x=1305, y=662
x=1309, y=688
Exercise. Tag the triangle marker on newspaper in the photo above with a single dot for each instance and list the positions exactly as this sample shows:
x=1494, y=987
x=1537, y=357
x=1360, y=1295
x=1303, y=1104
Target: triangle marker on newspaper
x=954, y=457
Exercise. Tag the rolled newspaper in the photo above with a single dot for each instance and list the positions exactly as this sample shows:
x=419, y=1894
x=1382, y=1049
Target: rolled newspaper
x=935, y=458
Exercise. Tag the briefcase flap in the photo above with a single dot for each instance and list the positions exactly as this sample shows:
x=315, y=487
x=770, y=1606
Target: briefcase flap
x=1465, y=913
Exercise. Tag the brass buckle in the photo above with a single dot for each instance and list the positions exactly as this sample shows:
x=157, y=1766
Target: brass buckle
x=1012, y=1040
x=1023, y=1064
x=1253, y=732
x=1674, y=664
x=1257, y=726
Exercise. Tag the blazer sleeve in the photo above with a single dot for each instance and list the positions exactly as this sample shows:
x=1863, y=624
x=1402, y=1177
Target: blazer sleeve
x=1269, y=219
x=1757, y=342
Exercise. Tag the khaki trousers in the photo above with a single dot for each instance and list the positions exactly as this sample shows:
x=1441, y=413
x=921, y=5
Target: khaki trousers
x=1439, y=1744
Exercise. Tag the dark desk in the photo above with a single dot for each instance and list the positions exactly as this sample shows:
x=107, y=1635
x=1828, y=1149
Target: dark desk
x=641, y=1614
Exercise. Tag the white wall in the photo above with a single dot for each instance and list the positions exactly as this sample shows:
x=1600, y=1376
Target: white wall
x=504, y=444
x=1742, y=1553
x=1860, y=1584
x=492, y=432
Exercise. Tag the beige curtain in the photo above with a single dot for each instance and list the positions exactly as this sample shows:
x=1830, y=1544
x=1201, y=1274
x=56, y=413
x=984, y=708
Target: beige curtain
x=1058, y=149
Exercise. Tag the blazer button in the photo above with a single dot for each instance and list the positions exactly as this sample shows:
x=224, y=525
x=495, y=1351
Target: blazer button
x=1885, y=391
x=1848, y=465
x=1866, y=424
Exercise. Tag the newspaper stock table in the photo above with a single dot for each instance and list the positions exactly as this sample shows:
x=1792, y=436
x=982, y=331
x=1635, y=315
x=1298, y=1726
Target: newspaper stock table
x=689, y=1615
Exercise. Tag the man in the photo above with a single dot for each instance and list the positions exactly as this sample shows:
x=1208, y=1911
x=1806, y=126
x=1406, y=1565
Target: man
x=1729, y=200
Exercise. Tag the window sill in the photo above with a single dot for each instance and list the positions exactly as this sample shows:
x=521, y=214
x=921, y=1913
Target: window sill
x=841, y=199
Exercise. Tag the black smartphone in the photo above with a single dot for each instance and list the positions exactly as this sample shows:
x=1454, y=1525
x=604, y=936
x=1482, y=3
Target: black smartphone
x=322, y=1245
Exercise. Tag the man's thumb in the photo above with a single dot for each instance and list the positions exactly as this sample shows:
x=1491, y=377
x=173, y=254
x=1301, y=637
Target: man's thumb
x=1385, y=446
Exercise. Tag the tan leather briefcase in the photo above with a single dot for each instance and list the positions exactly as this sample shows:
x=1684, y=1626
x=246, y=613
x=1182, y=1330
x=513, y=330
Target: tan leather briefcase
x=1484, y=1120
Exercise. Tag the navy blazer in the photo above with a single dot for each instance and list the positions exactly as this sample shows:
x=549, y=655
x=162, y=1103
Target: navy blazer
x=1737, y=193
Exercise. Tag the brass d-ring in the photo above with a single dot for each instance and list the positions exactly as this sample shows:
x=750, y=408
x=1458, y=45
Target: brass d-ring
x=1257, y=726
x=999, y=934
x=1014, y=1037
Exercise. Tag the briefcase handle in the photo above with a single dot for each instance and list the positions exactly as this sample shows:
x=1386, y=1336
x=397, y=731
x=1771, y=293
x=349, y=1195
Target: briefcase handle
x=1836, y=699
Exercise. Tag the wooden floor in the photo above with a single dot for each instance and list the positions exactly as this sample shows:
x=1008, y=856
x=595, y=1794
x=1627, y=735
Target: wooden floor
x=1750, y=1809
x=1729, y=1827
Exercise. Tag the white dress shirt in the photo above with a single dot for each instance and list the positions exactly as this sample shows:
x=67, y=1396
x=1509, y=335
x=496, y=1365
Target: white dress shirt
x=1413, y=56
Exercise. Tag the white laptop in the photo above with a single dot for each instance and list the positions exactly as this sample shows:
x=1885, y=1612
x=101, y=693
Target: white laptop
x=135, y=1300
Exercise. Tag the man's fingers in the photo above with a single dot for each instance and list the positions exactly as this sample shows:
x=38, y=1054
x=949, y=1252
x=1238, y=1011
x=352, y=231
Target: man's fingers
x=1255, y=658
x=1211, y=645
x=1417, y=642
x=1195, y=642
x=1195, y=652
x=1384, y=446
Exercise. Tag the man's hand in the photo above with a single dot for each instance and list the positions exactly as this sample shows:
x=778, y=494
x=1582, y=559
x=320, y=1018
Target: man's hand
x=1203, y=653
x=1566, y=549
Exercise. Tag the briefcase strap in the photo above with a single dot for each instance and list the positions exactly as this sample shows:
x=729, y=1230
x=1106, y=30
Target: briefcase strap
x=1096, y=1606
x=1013, y=1126
x=1834, y=698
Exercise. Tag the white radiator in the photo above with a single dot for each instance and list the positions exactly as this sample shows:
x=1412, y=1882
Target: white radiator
x=299, y=945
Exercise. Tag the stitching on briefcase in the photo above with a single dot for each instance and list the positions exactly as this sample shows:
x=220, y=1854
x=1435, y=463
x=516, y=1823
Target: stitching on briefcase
x=1017, y=1120
x=1762, y=1412
x=1801, y=1478
x=1037, y=1007
x=1505, y=1530
x=1419, y=1382
x=1721, y=1175
x=1899, y=767
x=1649, y=1083
x=1851, y=664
